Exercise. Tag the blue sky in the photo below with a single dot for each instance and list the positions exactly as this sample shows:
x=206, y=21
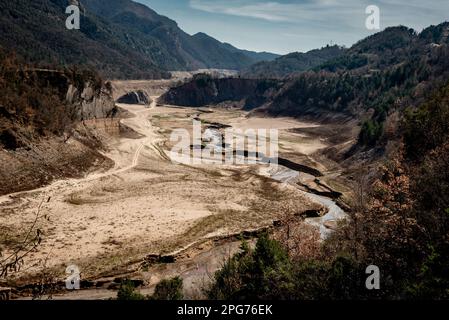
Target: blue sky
x=284, y=26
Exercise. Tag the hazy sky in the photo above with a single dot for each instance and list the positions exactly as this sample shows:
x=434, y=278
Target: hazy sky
x=283, y=26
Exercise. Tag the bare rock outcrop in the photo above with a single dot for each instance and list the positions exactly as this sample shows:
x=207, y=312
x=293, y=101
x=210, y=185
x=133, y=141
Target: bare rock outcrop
x=207, y=90
x=135, y=97
x=80, y=115
x=91, y=103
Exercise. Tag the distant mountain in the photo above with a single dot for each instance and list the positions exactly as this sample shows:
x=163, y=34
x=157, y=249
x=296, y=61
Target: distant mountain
x=171, y=48
x=211, y=53
x=292, y=63
x=391, y=47
x=382, y=74
x=36, y=31
x=255, y=56
x=377, y=52
x=119, y=38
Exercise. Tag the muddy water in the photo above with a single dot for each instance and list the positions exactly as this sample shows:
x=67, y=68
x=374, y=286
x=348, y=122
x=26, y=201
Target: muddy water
x=334, y=214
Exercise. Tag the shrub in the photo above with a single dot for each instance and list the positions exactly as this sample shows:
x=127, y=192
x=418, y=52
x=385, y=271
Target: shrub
x=267, y=273
x=432, y=281
x=262, y=273
x=371, y=133
x=165, y=290
x=427, y=127
x=169, y=290
x=127, y=291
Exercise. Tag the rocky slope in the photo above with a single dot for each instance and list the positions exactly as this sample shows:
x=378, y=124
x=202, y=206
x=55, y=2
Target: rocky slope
x=51, y=125
x=205, y=89
x=135, y=97
x=392, y=69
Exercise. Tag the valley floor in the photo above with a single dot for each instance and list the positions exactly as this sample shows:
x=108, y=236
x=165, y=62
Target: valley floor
x=108, y=222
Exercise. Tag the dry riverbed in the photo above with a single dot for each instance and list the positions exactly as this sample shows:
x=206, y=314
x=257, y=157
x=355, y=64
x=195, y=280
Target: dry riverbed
x=108, y=222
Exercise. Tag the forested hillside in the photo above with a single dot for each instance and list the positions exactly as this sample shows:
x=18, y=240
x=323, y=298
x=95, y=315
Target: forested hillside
x=384, y=73
x=36, y=31
x=292, y=63
x=399, y=222
x=396, y=83
x=119, y=38
x=41, y=132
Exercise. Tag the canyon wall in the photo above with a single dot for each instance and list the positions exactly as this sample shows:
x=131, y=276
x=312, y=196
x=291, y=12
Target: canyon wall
x=206, y=90
x=32, y=155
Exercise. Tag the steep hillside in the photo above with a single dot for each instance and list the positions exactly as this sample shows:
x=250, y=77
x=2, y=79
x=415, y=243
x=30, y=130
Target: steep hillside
x=36, y=31
x=180, y=51
x=205, y=89
x=44, y=131
x=119, y=38
x=438, y=34
x=292, y=63
x=378, y=76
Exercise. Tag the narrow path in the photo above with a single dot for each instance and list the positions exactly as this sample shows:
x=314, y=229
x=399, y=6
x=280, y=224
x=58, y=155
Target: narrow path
x=139, y=123
x=136, y=156
x=128, y=154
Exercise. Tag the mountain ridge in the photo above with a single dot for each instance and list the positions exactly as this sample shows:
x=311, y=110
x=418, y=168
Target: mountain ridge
x=292, y=63
x=119, y=38
x=389, y=71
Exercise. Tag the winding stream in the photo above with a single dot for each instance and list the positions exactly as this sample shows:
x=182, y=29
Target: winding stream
x=286, y=171
x=197, y=269
x=335, y=213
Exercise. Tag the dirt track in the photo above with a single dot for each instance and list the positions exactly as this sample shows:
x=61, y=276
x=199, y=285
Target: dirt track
x=146, y=204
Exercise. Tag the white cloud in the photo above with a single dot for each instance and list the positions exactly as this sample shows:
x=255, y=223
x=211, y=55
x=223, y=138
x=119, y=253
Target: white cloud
x=271, y=11
x=344, y=14
x=290, y=25
x=316, y=10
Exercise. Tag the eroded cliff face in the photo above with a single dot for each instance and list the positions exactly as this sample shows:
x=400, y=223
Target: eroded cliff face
x=91, y=103
x=135, y=97
x=33, y=155
x=273, y=97
x=206, y=90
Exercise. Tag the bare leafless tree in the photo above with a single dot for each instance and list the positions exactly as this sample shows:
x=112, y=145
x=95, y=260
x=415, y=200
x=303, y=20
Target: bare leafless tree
x=14, y=261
